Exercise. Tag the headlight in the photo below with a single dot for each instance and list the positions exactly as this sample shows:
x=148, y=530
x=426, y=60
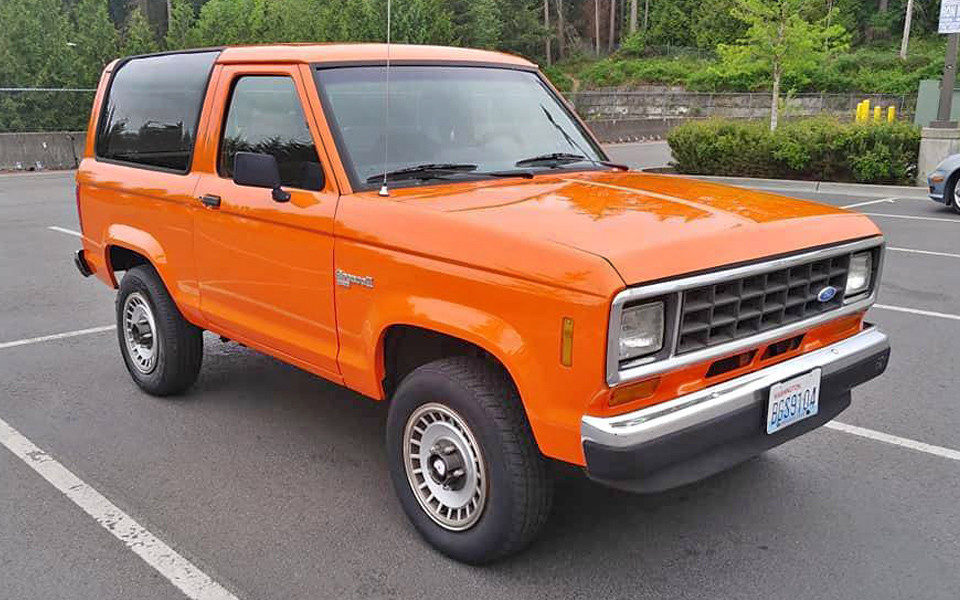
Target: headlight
x=858, y=278
x=641, y=330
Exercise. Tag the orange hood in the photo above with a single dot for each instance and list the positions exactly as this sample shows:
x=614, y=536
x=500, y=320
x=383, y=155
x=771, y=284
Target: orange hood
x=647, y=226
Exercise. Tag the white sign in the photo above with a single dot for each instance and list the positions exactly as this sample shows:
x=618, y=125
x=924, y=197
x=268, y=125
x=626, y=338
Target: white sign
x=949, y=16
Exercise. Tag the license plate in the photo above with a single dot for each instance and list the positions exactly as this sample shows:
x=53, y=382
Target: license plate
x=793, y=400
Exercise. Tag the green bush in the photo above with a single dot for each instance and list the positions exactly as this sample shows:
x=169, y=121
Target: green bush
x=814, y=149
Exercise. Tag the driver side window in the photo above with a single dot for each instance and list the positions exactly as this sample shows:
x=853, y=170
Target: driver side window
x=265, y=116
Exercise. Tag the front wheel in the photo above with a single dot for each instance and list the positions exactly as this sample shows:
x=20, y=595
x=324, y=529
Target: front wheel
x=463, y=460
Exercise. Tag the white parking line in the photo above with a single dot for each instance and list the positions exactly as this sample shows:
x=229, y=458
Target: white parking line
x=917, y=311
x=65, y=230
x=895, y=440
x=871, y=202
x=943, y=220
x=56, y=336
x=928, y=252
x=165, y=560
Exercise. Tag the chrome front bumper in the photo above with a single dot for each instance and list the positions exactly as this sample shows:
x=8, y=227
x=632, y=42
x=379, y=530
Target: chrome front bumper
x=729, y=415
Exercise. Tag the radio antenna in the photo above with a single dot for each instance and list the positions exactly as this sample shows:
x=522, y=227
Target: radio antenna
x=384, y=191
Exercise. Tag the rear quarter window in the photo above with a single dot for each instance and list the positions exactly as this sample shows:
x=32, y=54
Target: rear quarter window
x=152, y=110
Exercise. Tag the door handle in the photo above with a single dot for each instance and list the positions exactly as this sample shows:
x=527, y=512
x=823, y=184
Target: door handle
x=210, y=200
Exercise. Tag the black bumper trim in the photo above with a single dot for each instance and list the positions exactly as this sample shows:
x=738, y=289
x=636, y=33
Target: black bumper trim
x=81, y=262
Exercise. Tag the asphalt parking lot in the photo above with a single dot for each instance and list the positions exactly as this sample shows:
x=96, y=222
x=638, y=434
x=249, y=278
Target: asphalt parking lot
x=274, y=484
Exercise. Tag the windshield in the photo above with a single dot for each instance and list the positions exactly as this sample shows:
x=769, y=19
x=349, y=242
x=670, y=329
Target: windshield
x=482, y=120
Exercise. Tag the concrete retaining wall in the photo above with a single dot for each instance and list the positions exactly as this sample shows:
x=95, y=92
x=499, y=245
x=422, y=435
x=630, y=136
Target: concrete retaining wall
x=41, y=151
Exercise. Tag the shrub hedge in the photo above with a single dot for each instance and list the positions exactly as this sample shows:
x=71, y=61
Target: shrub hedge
x=819, y=149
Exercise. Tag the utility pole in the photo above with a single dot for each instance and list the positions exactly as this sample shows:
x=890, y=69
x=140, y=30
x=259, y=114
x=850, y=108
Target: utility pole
x=613, y=25
x=546, y=26
x=947, y=84
x=908, y=17
x=561, y=37
x=596, y=25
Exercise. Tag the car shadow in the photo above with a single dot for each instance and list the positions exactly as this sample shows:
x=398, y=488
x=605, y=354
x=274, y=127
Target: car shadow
x=591, y=528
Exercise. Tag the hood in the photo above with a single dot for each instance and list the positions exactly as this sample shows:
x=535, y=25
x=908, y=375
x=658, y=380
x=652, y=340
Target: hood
x=648, y=226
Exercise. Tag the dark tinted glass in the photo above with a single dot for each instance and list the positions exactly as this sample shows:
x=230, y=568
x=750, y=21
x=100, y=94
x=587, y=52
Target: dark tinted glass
x=265, y=116
x=152, y=110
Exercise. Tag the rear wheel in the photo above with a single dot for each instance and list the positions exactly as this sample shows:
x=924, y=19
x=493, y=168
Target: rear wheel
x=162, y=351
x=463, y=460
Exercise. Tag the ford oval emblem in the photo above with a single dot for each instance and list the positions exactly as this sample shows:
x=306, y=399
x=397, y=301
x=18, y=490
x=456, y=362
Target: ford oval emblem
x=827, y=294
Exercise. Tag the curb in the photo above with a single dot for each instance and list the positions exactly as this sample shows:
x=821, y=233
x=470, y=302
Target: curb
x=820, y=187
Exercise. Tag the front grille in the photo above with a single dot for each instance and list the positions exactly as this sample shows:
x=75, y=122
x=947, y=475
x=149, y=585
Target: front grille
x=738, y=308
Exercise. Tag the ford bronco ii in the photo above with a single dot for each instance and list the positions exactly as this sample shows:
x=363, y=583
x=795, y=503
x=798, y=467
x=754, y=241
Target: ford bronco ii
x=450, y=238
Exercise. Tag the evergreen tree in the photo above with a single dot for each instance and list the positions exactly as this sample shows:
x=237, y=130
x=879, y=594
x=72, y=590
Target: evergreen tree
x=35, y=39
x=138, y=36
x=96, y=39
x=180, y=33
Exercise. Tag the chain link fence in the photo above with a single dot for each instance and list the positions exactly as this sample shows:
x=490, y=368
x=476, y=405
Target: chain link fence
x=670, y=103
x=25, y=110
x=28, y=110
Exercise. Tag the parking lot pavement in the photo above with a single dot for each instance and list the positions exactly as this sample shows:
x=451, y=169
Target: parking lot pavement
x=273, y=482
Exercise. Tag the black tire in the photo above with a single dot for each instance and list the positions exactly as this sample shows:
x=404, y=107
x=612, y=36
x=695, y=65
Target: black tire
x=950, y=194
x=179, y=344
x=520, y=487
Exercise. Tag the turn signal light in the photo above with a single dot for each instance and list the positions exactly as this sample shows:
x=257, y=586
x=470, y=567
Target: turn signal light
x=566, y=342
x=634, y=391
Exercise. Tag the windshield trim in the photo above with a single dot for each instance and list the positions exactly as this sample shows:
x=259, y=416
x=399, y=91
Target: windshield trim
x=358, y=185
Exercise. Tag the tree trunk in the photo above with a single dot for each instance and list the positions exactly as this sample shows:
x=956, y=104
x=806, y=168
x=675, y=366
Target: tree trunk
x=561, y=36
x=646, y=13
x=633, y=16
x=775, y=101
x=169, y=15
x=596, y=26
x=613, y=25
x=546, y=26
x=906, y=30
x=884, y=5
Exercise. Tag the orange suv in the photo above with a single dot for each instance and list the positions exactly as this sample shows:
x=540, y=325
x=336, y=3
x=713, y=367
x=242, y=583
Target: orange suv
x=445, y=234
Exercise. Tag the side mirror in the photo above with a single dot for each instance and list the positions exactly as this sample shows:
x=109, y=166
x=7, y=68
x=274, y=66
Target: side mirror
x=259, y=170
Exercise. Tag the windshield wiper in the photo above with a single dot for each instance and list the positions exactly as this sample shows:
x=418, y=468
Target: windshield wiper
x=522, y=174
x=573, y=144
x=425, y=171
x=551, y=159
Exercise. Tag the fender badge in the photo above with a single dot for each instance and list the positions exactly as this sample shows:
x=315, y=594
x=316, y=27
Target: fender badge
x=347, y=279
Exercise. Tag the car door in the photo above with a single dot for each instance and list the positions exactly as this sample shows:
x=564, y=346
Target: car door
x=265, y=268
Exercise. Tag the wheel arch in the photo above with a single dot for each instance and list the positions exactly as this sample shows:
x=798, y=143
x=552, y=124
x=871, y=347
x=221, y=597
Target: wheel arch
x=404, y=347
x=126, y=246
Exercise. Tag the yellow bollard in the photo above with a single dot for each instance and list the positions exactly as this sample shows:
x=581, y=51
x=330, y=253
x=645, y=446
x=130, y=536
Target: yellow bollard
x=858, y=114
x=891, y=114
x=866, y=110
x=876, y=114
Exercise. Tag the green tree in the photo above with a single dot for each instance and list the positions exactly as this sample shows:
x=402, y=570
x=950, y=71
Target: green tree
x=96, y=38
x=230, y=22
x=180, y=32
x=421, y=22
x=35, y=39
x=138, y=36
x=477, y=23
x=780, y=39
x=522, y=29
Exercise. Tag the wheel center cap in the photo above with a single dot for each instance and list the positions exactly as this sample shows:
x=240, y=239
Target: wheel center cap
x=445, y=465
